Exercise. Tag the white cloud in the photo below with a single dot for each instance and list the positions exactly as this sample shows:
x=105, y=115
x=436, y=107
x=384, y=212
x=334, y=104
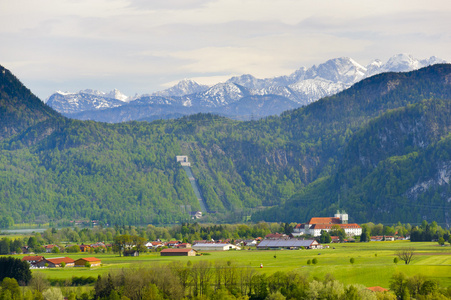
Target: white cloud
x=146, y=44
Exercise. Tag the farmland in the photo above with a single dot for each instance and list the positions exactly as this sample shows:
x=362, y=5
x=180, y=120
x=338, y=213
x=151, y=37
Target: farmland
x=373, y=262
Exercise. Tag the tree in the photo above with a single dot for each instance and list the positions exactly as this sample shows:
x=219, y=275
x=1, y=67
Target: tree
x=121, y=243
x=6, y=222
x=15, y=268
x=441, y=241
x=53, y=294
x=352, y=260
x=39, y=282
x=398, y=284
x=32, y=242
x=405, y=254
x=5, y=245
x=325, y=237
x=365, y=237
x=11, y=289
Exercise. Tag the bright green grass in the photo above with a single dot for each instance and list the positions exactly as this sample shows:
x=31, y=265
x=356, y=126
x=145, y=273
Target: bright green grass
x=373, y=262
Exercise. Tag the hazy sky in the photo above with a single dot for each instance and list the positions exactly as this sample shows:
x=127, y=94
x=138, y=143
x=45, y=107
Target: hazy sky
x=142, y=46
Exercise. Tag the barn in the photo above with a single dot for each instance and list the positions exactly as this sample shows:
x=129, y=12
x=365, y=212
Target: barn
x=178, y=252
x=93, y=262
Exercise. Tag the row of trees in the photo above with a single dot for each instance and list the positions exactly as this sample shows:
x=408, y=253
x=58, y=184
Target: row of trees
x=221, y=280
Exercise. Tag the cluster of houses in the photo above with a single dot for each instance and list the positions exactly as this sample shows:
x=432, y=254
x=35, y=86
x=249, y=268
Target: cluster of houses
x=38, y=262
x=271, y=241
x=176, y=248
x=83, y=248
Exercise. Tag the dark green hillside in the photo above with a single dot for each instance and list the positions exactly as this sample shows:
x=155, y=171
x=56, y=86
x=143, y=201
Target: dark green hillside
x=19, y=108
x=59, y=169
x=398, y=165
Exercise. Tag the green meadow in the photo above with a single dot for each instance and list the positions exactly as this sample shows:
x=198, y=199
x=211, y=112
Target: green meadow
x=373, y=262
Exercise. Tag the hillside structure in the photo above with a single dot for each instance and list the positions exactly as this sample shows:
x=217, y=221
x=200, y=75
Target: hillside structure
x=183, y=160
x=316, y=225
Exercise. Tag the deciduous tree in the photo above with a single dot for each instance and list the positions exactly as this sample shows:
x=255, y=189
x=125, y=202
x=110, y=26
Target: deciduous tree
x=405, y=254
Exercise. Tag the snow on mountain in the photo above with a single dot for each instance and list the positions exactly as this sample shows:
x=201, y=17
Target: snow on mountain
x=283, y=91
x=310, y=90
x=302, y=87
x=344, y=69
x=184, y=87
x=250, y=81
x=402, y=63
x=218, y=95
x=114, y=94
x=67, y=103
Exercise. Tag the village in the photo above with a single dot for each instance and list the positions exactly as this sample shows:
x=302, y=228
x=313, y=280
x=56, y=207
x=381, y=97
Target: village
x=304, y=236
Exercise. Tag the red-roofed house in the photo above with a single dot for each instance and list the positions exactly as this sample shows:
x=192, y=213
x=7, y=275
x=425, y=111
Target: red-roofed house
x=171, y=243
x=49, y=248
x=183, y=245
x=32, y=260
x=56, y=262
x=93, y=262
x=178, y=252
x=316, y=225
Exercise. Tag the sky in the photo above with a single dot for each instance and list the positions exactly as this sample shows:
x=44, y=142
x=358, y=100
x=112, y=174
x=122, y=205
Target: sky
x=143, y=46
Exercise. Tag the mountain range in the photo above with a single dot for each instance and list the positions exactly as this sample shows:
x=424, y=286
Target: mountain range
x=379, y=150
x=243, y=97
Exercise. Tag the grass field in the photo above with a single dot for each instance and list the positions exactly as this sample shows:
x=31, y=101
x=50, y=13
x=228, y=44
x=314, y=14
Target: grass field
x=373, y=262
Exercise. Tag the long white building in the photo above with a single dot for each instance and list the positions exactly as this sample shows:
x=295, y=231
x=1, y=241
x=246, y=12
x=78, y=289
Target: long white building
x=214, y=247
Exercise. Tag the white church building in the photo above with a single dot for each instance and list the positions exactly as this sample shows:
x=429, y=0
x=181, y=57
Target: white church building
x=316, y=225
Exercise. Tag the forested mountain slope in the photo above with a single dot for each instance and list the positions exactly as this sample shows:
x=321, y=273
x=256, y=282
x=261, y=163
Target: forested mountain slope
x=126, y=173
x=397, y=165
x=19, y=108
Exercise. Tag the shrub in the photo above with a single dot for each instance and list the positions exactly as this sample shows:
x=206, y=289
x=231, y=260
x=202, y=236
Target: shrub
x=352, y=260
x=309, y=262
x=314, y=261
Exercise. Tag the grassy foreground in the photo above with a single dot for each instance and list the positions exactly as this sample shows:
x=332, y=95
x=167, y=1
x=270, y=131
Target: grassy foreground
x=373, y=262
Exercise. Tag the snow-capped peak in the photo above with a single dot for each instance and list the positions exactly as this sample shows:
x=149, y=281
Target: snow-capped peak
x=116, y=94
x=343, y=69
x=64, y=93
x=401, y=63
x=183, y=87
